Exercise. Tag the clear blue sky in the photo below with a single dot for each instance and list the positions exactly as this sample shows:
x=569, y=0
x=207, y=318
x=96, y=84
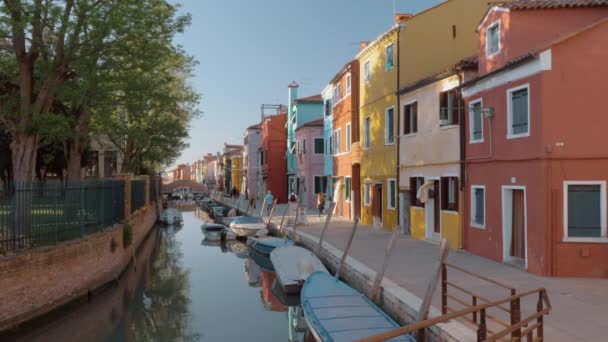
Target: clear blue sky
x=250, y=50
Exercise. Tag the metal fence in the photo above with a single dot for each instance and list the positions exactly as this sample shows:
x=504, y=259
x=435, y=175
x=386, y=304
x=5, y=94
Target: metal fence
x=154, y=183
x=138, y=194
x=36, y=214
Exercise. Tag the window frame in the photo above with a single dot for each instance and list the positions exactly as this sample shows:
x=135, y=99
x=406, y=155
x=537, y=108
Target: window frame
x=386, y=128
x=386, y=54
x=367, y=71
x=367, y=132
x=391, y=193
x=337, y=93
x=314, y=141
x=603, y=232
x=406, y=115
x=510, y=92
x=367, y=199
x=348, y=84
x=473, y=209
x=347, y=194
x=445, y=185
x=471, y=120
x=496, y=24
x=337, y=141
x=348, y=136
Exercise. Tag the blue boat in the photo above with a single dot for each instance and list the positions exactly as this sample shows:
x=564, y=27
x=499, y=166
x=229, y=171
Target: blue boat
x=262, y=260
x=337, y=312
x=265, y=245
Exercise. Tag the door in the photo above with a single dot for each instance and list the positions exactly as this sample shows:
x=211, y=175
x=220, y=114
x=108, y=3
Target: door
x=518, y=231
x=436, y=208
x=404, y=211
x=377, y=205
x=356, y=190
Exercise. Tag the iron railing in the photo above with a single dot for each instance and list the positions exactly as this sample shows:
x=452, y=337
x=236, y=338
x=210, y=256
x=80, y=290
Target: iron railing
x=138, y=194
x=37, y=214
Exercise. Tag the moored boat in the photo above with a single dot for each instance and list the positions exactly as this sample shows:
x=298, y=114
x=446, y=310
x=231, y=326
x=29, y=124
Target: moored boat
x=171, y=216
x=267, y=244
x=247, y=225
x=335, y=311
x=293, y=265
x=214, y=232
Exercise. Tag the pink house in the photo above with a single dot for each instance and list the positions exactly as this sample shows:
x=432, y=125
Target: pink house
x=309, y=163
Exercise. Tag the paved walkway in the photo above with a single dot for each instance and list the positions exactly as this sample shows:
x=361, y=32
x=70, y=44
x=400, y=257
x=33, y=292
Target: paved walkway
x=580, y=306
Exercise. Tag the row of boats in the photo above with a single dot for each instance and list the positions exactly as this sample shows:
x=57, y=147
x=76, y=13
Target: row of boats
x=333, y=310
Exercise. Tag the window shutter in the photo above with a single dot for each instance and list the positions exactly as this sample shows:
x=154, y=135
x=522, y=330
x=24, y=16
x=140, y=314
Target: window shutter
x=415, y=110
x=443, y=105
x=457, y=108
x=445, y=192
x=406, y=120
x=413, y=191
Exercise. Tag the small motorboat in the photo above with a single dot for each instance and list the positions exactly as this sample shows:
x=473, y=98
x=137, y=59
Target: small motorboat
x=262, y=260
x=214, y=232
x=265, y=245
x=335, y=311
x=293, y=266
x=284, y=298
x=247, y=225
x=171, y=216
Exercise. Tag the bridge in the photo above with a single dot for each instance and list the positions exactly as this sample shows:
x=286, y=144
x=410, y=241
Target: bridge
x=170, y=187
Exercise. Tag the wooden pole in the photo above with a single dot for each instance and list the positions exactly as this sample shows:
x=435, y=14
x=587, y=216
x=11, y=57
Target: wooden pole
x=274, y=203
x=263, y=205
x=283, y=218
x=327, y=220
x=346, y=249
x=387, y=255
x=423, y=312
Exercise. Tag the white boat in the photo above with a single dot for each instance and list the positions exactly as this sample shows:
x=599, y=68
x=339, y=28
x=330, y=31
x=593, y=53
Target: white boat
x=293, y=265
x=214, y=232
x=171, y=216
x=247, y=225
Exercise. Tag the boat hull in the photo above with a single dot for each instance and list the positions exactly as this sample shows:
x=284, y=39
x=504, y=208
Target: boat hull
x=293, y=265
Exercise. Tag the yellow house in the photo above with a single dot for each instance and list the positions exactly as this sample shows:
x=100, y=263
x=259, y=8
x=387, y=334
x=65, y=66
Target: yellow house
x=237, y=172
x=377, y=122
x=436, y=46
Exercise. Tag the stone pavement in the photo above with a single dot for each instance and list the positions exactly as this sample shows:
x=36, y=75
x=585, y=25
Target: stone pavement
x=580, y=306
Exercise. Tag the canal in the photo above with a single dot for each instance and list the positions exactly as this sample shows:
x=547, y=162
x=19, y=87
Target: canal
x=181, y=288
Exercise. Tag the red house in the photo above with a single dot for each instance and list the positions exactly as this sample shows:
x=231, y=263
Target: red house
x=273, y=175
x=535, y=138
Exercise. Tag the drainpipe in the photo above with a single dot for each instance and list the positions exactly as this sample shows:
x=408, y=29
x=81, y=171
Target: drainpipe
x=398, y=136
x=463, y=167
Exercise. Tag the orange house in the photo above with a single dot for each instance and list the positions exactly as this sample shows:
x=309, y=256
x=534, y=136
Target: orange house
x=346, y=150
x=536, y=162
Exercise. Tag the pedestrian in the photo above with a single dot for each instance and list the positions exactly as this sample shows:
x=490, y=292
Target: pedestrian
x=235, y=192
x=252, y=201
x=269, y=199
x=293, y=203
x=320, y=203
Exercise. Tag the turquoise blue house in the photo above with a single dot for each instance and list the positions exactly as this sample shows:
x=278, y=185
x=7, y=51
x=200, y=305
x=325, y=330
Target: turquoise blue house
x=328, y=128
x=299, y=112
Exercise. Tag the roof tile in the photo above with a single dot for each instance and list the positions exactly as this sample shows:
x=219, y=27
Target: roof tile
x=550, y=4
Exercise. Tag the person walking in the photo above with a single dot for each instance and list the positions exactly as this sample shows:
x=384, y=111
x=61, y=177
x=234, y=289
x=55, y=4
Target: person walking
x=269, y=199
x=320, y=203
x=293, y=203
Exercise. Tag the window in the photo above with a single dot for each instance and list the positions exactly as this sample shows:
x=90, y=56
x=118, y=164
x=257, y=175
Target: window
x=392, y=193
x=415, y=184
x=348, y=138
x=319, y=142
x=367, y=72
x=584, y=210
x=328, y=107
x=478, y=206
x=292, y=147
x=337, y=93
x=449, y=193
x=91, y=161
x=450, y=104
x=476, y=119
x=109, y=163
x=366, y=194
x=347, y=84
x=493, y=39
x=389, y=57
x=303, y=146
x=366, y=132
x=347, y=187
x=410, y=118
x=337, y=141
x=320, y=184
x=389, y=126
x=330, y=145
x=518, y=112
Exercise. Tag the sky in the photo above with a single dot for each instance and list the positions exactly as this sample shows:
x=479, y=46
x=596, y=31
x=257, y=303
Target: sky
x=250, y=50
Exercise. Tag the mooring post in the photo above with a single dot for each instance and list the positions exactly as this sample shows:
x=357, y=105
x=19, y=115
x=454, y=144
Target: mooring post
x=274, y=203
x=387, y=255
x=423, y=312
x=283, y=218
x=327, y=220
x=263, y=205
x=346, y=249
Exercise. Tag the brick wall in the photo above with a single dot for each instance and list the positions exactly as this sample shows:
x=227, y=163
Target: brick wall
x=35, y=282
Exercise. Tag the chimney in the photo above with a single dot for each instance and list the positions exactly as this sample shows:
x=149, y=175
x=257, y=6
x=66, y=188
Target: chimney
x=363, y=44
x=293, y=95
x=401, y=18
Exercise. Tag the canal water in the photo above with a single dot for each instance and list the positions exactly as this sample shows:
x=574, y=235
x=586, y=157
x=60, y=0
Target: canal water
x=182, y=288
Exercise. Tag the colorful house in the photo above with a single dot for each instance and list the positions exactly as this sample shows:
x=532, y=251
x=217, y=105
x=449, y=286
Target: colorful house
x=300, y=111
x=328, y=119
x=227, y=167
x=273, y=173
x=435, y=49
x=252, y=139
x=345, y=88
x=536, y=170
x=309, y=171
x=209, y=170
x=377, y=120
x=236, y=162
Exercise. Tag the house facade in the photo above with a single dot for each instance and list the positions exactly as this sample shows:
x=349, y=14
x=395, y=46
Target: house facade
x=310, y=179
x=300, y=111
x=377, y=122
x=252, y=138
x=535, y=191
x=273, y=166
x=227, y=167
x=346, y=195
x=328, y=162
x=236, y=162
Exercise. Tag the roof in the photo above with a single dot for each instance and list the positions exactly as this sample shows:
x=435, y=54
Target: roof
x=256, y=126
x=467, y=63
x=549, y=4
x=344, y=69
x=293, y=84
x=316, y=123
x=310, y=99
x=377, y=41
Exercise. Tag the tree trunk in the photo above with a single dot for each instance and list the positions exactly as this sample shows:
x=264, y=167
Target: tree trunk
x=23, y=151
x=73, y=151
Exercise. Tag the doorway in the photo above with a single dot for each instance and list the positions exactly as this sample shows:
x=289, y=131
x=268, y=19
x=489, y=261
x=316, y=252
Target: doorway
x=377, y=206
x=356, y=190
x=433, y=212
x=514, y=225
x=404, y=212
